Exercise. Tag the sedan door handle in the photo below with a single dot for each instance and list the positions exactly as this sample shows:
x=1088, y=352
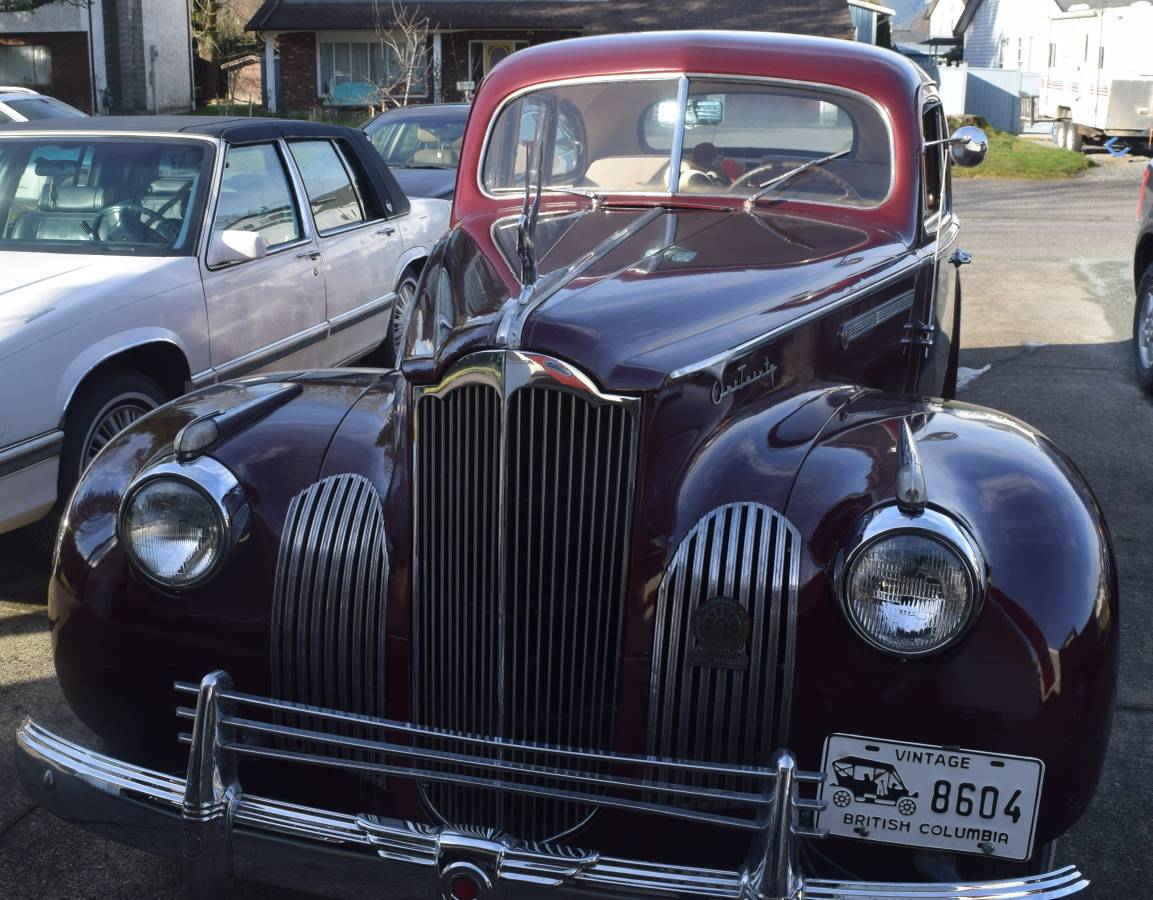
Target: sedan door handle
x=309, y=254
x=387, y=232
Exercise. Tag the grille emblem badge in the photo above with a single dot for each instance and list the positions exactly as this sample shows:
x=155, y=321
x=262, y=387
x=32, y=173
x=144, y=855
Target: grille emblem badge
x=721, y=630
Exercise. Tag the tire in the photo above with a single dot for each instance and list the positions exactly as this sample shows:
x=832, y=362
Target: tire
x=907, y=806
x=98, y=412
x=1143, y=331
x=842, y=799
x=405, y=294
x=1058, y=134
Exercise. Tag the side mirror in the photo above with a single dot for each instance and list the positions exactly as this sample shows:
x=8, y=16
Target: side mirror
x=969, y=146
x=227, y=247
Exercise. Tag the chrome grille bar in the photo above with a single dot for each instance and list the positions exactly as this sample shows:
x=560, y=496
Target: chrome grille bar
x=732, y=581
x=329, y=597
x=523, y=470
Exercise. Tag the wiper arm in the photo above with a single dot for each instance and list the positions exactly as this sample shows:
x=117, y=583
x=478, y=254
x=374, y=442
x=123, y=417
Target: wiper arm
x=781, y=180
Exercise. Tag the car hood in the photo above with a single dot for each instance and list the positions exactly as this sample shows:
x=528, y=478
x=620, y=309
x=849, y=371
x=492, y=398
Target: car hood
x=438, y=184
x=42, y=293
x=632, y=295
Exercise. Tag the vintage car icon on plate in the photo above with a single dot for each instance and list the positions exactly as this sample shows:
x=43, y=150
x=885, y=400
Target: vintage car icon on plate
x=870, y=781
x=666, y=529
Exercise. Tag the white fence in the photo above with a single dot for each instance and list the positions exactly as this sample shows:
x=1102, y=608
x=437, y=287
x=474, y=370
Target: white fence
x=994, y=94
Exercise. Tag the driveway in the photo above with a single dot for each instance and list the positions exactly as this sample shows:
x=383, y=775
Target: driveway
x=1048, y=308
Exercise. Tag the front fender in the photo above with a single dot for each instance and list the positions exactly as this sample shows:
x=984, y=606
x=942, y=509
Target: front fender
x=1036, y=674
x=120, y=642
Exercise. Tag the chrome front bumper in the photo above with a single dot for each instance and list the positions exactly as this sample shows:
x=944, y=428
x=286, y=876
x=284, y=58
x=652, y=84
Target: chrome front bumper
x=219, y=832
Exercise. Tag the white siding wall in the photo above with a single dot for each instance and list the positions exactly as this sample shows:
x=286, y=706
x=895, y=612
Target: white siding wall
x=1011, y=34
x=165, y=27
x=945, y=17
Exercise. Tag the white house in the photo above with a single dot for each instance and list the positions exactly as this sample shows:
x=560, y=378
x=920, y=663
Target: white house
x=1006, y=34
x=118, y=56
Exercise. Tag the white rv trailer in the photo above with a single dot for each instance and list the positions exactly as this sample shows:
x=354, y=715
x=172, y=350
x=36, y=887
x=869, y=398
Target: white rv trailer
x=1099, y=80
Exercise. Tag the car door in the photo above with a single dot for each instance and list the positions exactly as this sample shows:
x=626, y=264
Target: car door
x=934, y=332
x=359, y=248
x=270, y=312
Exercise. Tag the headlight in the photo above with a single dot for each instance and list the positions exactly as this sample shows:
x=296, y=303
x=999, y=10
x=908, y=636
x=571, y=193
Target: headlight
x=911, y=585
x=179, y=522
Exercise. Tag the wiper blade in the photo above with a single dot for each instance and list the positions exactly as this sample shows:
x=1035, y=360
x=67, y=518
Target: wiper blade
x=788, y=176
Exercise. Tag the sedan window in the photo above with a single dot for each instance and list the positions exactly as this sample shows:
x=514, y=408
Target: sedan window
x=102, y=195
x=334, y=200
x=255, y=196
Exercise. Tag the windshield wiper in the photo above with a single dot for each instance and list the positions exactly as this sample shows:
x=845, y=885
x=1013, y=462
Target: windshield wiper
x=781, y=180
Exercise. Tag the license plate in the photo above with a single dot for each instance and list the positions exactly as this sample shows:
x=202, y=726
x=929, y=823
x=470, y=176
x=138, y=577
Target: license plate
x=925, y=796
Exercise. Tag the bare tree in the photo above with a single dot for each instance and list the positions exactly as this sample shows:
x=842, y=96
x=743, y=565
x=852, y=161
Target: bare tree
x=403, y=31
x=218, y=27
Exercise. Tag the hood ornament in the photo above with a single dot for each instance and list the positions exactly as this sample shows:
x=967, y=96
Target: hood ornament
x=912, y=495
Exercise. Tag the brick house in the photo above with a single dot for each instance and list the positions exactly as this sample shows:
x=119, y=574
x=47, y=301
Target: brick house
x=329, y=53
x=120, y=56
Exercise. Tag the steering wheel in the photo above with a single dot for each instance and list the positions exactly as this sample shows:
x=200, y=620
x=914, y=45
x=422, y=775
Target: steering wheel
x=847, y=190
x=130, y=222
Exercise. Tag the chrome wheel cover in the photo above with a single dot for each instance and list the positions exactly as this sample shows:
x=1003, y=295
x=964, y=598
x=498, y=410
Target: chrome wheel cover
x=1144, y=334
x=405, y=292
x=117, y=415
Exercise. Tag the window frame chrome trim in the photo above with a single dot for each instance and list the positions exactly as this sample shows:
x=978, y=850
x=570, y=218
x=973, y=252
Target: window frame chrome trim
x=217, y=484
x=889, y=521
x=688, y=77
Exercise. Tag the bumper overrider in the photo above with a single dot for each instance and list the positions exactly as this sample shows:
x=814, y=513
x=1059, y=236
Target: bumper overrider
x=219, y=832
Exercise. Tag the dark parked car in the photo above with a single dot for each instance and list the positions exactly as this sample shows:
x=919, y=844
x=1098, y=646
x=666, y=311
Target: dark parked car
x=664, y=530
x=1143, y=279
x=421, y=145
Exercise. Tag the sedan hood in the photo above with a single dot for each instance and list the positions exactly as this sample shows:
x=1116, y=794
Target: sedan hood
x=632, y=295
x=43, y=293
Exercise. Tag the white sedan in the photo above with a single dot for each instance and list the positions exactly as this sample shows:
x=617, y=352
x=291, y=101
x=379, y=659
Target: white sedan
x=142, y=256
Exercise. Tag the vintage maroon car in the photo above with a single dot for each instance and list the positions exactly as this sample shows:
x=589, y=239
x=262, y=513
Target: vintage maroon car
x=664, y=565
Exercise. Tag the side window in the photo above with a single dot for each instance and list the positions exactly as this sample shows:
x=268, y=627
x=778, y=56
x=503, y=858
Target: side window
x=334, y=200
x=935, y=171
x=255, y=196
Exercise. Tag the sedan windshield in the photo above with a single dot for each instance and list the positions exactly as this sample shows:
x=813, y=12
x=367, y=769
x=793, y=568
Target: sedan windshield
x=418, y=140
x=101, y=195
x=718, y=137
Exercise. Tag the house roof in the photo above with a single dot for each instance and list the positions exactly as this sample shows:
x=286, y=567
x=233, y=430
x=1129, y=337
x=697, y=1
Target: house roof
x=828, y=18
x=970, y=10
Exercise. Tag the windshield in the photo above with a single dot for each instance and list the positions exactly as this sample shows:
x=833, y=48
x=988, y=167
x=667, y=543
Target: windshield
x=34, y=108
x=126, y=196
x=733, y=137
x=418, y=140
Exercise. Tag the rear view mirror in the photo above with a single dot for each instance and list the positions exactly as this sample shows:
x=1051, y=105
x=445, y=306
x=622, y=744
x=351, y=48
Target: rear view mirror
x=968, y=146
x=227, y=247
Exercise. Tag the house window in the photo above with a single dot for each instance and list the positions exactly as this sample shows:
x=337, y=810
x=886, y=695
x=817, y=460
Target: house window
x=361, y=71
x=26, y=65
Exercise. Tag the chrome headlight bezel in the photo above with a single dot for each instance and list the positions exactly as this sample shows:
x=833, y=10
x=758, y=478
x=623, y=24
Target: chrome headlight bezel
x=216, y=484
x=933, y=524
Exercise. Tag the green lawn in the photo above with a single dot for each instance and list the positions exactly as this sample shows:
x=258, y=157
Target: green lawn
x=1014, y=157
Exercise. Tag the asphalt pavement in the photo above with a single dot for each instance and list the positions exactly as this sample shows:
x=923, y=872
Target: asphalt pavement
x=1048, y=315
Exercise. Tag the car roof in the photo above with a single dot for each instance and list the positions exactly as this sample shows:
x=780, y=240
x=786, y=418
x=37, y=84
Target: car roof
x=233, y=129
x=424, y=110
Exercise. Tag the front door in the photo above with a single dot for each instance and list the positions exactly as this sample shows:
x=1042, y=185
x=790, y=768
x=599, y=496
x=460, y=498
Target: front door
x=264, y=313
x=359, y=248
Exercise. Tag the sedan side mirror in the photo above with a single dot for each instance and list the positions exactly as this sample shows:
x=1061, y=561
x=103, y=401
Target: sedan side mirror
x=968, y=146
x=227, y=247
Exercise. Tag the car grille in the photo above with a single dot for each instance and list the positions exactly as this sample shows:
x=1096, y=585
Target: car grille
x=522, y=513
x=724, y=642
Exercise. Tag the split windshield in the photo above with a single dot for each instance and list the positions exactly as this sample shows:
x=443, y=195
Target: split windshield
x=722, y=137
x=101, y=195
